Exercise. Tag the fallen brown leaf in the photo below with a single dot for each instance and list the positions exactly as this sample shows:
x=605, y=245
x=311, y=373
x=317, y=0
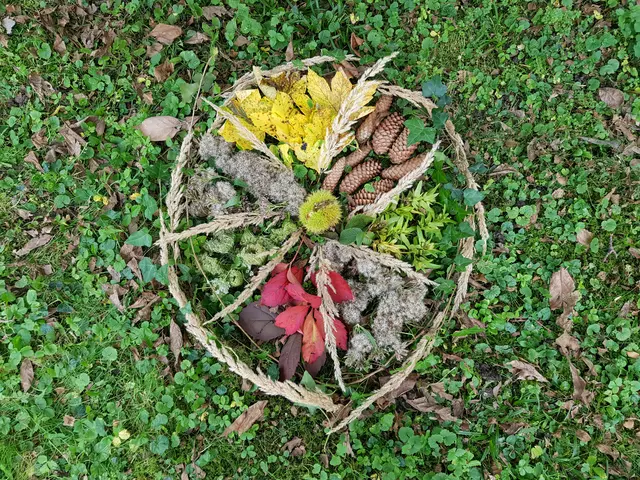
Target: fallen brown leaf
x=115, y=293
x=289, y=54
x=165, y=34
x=613, y=97
x=197, y=38
x=42, y=88
x=4, y=40
x=59, y=45
x=584, y=237
x=127, y=252
x=629, y=423
x=215, y=11
x=503, y=169
x=607, y=450
x=406, y=386
x=72, y=140
x=634, y=252
x=295, y=447
x=241, y=41
x=154, y=48
x=633, y=355
x=32, y=244
x=438, y=389
x=26, y=374
x=33, y=160
x=526, y=371
x=163, y=71
x=583, y=436
x=245, y=421
x=39, y=139
x=579, y=387
x=355, y=42
x=161, y=128
x=68, y=421
x=425, y=405
x=568, y=344
x=563, y=294
x=175, y=340
x=24, y=214
x=47, y=269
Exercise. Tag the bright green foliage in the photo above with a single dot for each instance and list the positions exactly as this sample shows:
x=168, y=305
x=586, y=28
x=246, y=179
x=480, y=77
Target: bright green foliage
x=320, y=211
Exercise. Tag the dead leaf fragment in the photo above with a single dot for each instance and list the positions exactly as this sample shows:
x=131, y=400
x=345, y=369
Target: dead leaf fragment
x=583, y=436
x=68, y=421
x=607, y=450
x=634, y=252
x=563, y=291
x=163, y=71
x=558, y=194
x=175, y=340
x=584, y=237
x=72, y=140
x=289, y=54
x=26, y=374
x=568, y=344
x=33, y=160
x=39, y=139
x=161, y=128
x=633, y=355
x=59, y=45
x=42, y=88
x=241, y=41
x=355, y=42
x=526, y=371
x=579, y=387
x=295, y=447
x=165, y=34
x=154, y=48
x=244, y=422
x=215, y=11
x=197, y=39
x=613, y=97
x=32, y=244
x=24, y=214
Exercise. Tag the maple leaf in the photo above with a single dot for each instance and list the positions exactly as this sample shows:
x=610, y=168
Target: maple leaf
x=339, y=330
x=339, y=289
x=312, y=339
x=298, y=294
x=292, y=319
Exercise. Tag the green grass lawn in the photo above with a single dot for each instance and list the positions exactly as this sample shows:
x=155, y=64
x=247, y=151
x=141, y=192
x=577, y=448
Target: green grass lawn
x=555, y=150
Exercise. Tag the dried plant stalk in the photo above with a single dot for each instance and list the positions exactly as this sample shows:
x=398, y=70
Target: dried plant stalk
x=175, y=207
x=224, y=222
x=260, y=277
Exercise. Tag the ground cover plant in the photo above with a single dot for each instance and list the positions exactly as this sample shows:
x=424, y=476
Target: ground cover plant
x=539, y=376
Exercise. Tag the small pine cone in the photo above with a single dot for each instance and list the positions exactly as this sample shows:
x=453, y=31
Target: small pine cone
x=333, y=177
x=396, y=172
x=354, y=158
x=383, y=186
x=386, y=133
x=364, y=198
x=383, y=105
x=359, y=175
x=366, y=128
x=400, y=152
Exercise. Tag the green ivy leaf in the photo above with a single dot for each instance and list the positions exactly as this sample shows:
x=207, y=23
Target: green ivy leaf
x=141, y=238
x=148, y=269
x=439, y=118
x=351, y=235
x=434, y=87
x=418, y=132
x=471, y=196
x=360, y=221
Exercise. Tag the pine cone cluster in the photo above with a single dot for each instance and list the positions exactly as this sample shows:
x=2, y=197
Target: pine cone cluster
x=386, y=133
x=396, y=172
x=369, y=125
x=360, y=175
x=401, y=152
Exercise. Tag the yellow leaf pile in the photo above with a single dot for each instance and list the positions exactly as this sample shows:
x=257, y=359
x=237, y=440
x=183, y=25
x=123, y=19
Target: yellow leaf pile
x=293, y=109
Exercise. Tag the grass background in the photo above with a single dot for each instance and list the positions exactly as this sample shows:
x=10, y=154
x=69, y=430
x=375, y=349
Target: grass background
x=525, y=78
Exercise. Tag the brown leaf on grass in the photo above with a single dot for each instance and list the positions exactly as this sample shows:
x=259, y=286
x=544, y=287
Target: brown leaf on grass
x=59, y=45
x=439, y=390
x=568, y=344
x=584, y=237
x=355, y=42
x=241, y=41
x=115, y=275
x=613, y=97
x=579, y=387
x=197, y=38
x=563, y=295
x=634, y=252
x=526, y=371
x=24, y=214
x=4, y=40
x=583, y=436
x=42, y=88
x=39, y=139
x=107, y=38
x=406, y=386
x=558, y=193
x=32, y=244
x=503, y=169
x=163, y=71
x=33, y=160
x=426, y=405
x=72, y=140
x=511, y=428
x=165, y=34
x=161, y=128
x=215, y=11
x=175, y=340
x=295, y=447
x=561, y=180
x=135, y=269
x=289, y=54
x=47, y=269
x=115, y=293
x=608, y=450
x=144, y=299
x=26, y=374
x=154, y=48
x=633, y=355
x=245, y=421
x=127, y=252
x=629, y=423
x=68, y=421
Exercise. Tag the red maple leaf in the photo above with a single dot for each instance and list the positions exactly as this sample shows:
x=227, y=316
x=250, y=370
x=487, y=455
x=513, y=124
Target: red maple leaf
x=339, y=330
x=297, y=293
x=274, y=292
x=339, y=289
x=292, y=318
x=312, y=339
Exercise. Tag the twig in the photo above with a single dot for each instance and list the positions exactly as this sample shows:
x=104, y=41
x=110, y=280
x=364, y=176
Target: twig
x=611, y=249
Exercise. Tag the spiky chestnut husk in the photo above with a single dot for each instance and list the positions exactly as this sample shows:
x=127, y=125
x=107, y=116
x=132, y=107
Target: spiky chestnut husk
x=320, y=211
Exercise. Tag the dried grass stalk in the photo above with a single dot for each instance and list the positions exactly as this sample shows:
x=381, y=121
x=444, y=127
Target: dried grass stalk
x=175, y=207
x=224, y=222
x=247, y=134
x=328, y=310
x=340, y=135
x=260, y=277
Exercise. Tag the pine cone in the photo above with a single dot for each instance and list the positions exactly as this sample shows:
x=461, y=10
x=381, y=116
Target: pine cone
x=396, y=172
x=400, y=152
x=369, y=125
x=383, y=105
x=383, y=186
x=364, y=198
x=333, y=176
x=386, y=133
x=359, y=175
x=354, y=158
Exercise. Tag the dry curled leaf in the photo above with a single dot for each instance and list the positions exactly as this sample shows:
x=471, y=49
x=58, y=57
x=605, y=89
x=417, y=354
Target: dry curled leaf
x=215, y=11
x=583, y=436
x=526, y=371
x=175, y=340
x=634, y=252
x=163, y=71
x=568, y=344
x=165, y=34
x=42, y=88
x=289, y=54
x=72, y=140
x=563, y=294
x=59, y=45
x=26, y=374
x=244, y=422
x=68, y=421
x=161, y=128
x=608, y=450
x=584, y=237
x=197, y=38
x=295, y=447
x=613, y=97
x=33, y=160
x=579, y=387
x=32, y=244
x=355, y=42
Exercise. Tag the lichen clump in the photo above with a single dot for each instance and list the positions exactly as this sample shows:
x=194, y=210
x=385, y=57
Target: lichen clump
x=206, y=198
x=320, y=212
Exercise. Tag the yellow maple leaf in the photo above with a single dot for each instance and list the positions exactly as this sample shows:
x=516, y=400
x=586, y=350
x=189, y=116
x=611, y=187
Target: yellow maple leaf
x=325, y=96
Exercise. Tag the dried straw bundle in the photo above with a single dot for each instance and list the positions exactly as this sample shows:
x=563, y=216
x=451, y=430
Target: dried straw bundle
x=336, y=139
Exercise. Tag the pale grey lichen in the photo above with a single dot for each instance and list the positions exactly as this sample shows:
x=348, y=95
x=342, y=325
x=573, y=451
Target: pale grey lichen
x=262, y=178
x=358, y=353
x=204, y=197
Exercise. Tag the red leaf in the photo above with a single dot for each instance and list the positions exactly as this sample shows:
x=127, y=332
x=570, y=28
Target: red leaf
x=314, y=368
x=297, y=293
x=292, y=318
x=274, y=293
x=290, y=357
x=294, y=275
x=343, y=291
x=281, y=267
x=312, y=340
x=339, y=330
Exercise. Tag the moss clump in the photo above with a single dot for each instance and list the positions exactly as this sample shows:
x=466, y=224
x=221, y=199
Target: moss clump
x=320, y=211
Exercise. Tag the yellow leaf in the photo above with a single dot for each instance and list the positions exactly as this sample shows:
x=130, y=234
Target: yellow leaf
x=285, y=154
x=320, y=91
x=231, y=134
x=340, y=87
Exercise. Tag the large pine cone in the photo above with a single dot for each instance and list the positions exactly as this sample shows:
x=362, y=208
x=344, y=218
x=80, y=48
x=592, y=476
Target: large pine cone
x=335, y=174
x=386, y=133
x=359, y=175
x=383, y=105
x=396, y=172
x=369, y=125
x=400, y=152
x=363, y=198
x=354, y=158
x=383, y=186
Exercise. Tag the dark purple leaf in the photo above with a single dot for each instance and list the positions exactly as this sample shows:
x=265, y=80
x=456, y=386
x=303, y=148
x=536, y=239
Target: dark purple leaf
x=259, y=322
x=290, y=356
x=314, y=368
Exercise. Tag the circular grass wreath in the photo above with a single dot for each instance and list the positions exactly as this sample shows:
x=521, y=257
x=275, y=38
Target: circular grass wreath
x=336, y=116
